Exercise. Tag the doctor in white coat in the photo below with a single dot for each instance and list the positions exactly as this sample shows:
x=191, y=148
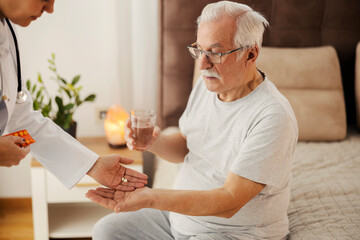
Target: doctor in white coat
x=61, y=154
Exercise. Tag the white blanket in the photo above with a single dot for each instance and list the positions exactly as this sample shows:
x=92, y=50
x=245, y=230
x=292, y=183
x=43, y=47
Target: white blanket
x=325, y=195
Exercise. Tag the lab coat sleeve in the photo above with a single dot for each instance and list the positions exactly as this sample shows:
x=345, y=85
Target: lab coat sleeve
x=56, y=150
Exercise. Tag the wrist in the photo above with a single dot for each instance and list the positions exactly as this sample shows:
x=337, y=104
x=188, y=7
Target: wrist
x=152, y=196
x=154, y=146
x=92, y=170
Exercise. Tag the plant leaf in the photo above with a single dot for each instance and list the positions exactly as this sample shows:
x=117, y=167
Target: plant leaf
x=68, y=93
x=33, y=89
x=78, y=89
x=28, y=85
x=35, y=105
x=51, y=62
x=90, y=98
x=70, y=87
x=68, y=106
x=60, y=104
x=69, y=118
x=66, y=122
x=40, y=78
x=75, y=80
x=38, y=94
x=78, y=101
x=62, y=80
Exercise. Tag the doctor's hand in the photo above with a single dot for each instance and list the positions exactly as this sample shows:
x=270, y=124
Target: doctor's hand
x=131, y=141
x=10, y=153
x=120, y=201
x=109, y=171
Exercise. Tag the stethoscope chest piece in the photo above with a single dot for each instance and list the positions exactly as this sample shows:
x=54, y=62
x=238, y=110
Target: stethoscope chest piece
x=21, y=97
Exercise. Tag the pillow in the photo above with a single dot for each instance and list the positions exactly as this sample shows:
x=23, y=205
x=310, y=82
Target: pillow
x=310, y=79
x=357, y=83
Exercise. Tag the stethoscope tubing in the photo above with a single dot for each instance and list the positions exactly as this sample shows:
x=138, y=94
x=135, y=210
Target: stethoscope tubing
x=21, y=95
x=17, y=55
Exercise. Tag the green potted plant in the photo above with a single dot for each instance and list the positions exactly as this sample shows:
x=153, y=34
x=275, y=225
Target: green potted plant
x=67, y=99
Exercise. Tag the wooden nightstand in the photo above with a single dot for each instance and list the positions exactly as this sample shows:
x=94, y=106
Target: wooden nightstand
x=62, y=213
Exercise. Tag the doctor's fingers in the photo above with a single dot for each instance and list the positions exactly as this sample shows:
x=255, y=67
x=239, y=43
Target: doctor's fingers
x=13, y=140
x=26, y=150
x=125, y=160
x=17, y=140
x=135, y=175
x=13, y=161
x=131, y=182
x=21, y=152
x=14, y=157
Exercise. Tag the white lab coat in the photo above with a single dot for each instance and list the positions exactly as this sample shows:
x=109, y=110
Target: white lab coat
x=57, y=151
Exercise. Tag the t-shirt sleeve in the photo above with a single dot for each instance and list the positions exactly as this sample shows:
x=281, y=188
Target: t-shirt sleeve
x=265, y=156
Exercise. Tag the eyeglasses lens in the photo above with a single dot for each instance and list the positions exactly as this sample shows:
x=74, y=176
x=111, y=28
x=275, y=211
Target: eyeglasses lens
x=195, y=53
x=213, y=58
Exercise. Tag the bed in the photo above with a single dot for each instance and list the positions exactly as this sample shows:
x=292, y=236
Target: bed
x=325, y=191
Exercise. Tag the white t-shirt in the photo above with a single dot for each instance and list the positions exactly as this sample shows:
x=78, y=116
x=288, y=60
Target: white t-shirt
x=254, y=137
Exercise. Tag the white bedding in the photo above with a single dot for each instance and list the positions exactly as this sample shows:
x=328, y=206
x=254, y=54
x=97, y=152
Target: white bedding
x=325, y=195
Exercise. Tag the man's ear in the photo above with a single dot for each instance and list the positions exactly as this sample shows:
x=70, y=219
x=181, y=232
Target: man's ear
x=253, y=54
x=250, y=56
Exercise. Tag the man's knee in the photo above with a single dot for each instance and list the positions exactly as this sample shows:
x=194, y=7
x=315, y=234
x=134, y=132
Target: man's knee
x=104, y=229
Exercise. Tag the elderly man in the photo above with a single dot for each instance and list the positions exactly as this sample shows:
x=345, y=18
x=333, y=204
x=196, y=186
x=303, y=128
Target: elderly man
x=236, y=142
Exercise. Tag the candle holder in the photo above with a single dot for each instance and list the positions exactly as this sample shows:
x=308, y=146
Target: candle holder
x=114, y=126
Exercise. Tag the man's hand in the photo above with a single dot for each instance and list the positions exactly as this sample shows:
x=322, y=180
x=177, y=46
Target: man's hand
x=131, y=142
x=109, y=172
x=120, y=201
x=10, y=153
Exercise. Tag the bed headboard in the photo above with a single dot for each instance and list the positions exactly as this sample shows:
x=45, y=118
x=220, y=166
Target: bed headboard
x=293, y=23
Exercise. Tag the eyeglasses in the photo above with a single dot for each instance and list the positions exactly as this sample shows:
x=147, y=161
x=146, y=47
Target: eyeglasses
x=212, y=57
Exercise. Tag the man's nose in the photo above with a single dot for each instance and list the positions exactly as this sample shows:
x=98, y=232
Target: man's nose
x=204, y=62
x=49, y=7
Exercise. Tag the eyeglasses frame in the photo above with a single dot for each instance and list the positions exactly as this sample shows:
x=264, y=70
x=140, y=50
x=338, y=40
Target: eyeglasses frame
x=212, y=53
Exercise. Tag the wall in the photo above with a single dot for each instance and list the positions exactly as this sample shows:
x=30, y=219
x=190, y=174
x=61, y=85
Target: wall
x=84, y=40
x=105, y=43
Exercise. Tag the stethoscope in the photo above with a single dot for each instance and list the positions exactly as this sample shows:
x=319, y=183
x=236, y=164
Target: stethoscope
x=21, y=95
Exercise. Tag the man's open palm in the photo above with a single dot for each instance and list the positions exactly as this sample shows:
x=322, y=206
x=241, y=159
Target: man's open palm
x=120, y=201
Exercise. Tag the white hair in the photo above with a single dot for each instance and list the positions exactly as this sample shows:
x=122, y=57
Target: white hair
x=250, y=25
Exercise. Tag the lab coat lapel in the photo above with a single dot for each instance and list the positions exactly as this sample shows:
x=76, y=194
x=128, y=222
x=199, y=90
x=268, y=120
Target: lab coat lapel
x=4, y=40
x=8, y=67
